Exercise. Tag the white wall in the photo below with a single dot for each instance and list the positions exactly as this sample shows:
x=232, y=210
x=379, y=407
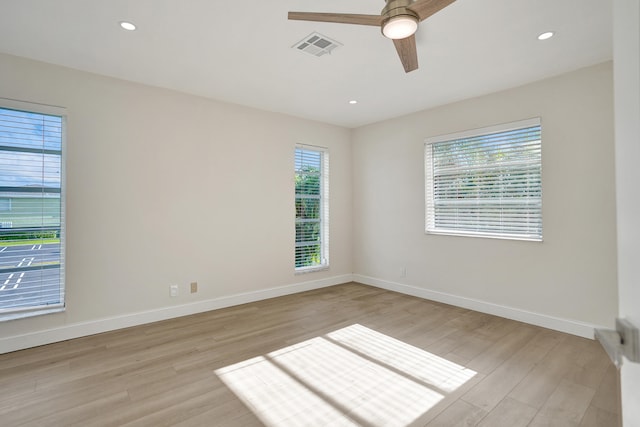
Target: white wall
x=568, y=281
x=165, y=188
x=627, y=125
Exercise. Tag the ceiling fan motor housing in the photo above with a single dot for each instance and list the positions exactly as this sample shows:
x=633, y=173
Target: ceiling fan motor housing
x=396, y=8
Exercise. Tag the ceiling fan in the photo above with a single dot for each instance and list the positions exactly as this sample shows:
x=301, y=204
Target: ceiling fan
x=398, y=21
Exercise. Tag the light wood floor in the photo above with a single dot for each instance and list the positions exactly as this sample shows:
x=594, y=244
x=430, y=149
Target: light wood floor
x=344, y=355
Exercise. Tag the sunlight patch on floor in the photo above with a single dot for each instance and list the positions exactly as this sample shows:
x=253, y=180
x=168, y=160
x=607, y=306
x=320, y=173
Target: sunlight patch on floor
x=412, y=361
x=352, y=376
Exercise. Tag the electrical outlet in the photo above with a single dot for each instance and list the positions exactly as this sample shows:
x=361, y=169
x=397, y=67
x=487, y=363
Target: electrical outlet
x=194, y=287
x=403, y=271
x=173, y=290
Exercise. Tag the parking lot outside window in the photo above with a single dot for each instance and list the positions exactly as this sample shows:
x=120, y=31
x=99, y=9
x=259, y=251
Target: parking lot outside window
x=32, y=227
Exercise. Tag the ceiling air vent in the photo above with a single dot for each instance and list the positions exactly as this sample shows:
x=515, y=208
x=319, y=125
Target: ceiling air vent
x=316, y=44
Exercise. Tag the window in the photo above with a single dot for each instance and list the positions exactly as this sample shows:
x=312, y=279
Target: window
x=312, y=208
x=32, y=229
x=486, y=182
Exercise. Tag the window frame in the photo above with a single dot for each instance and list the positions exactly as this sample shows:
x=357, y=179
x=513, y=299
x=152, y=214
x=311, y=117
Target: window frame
x=323, y=209
x=60, y=112
x=430, y=198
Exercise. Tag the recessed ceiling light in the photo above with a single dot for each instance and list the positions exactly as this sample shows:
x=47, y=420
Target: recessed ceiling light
x=546, y=35
x=127, y=26
x=353, y=101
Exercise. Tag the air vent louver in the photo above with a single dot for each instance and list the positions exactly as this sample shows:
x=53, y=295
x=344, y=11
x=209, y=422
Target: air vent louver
x=316, y=44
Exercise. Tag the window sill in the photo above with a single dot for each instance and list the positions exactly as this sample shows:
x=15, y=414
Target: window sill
x=482, y=235
x=305, y=270
x=24, y=314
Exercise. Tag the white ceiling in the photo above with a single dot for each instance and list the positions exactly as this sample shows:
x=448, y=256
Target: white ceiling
x=240, y=51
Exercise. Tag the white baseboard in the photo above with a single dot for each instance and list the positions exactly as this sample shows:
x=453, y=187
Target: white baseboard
x=550, y=322
x=76, y=330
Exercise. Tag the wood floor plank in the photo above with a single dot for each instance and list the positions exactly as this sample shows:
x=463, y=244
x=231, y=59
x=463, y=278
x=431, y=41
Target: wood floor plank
x=488, y=360
x=91, y=412
x=227, y=419
x=459, y=414
x=470, y=345
x=181, y=410
x=544, y=378
x=447, y=401
x=501, y=381
x=567, y=405
x=509, y=413
x=40, y=405
x=596, y=417
x=478, y=369
x=607, y=394
x=590, y=365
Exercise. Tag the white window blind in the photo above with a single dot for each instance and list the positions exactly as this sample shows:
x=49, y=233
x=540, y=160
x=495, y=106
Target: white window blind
x=32, y=221
x=486, y=182
x=312, y=208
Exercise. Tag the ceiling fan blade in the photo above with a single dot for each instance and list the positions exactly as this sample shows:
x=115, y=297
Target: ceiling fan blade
x=340, y=18
x=426, y=8
x=407, y=51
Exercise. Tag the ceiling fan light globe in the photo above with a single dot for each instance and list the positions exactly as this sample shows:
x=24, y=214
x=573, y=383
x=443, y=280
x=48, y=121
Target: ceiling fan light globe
x=400, y=27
